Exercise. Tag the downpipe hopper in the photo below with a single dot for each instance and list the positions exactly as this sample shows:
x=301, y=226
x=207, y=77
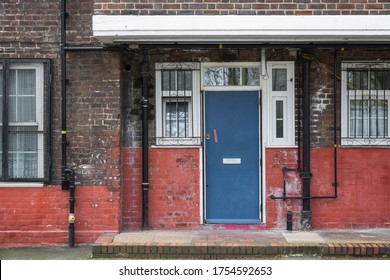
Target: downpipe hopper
x=68, y=179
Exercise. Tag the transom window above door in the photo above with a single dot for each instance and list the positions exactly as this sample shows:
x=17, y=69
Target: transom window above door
x=231, y=76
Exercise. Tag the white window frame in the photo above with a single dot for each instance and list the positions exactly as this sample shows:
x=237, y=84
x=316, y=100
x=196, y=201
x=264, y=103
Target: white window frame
x=193, y=104
x=288, y=98
x=346, y=139
x=206, y=65
x=39, y=105
x=180, y=100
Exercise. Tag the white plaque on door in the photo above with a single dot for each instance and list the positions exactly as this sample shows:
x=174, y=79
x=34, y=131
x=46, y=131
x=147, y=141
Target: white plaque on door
x=231, y=161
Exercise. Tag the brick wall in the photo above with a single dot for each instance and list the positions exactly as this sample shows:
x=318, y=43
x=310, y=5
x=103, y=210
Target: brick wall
x=94, y=117
x=242, y=7
x=31, y=29
x=174, y=194
x=32, y=216
x=363, y=195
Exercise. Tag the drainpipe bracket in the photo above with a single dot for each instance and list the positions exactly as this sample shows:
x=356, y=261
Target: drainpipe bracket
x=306, y=175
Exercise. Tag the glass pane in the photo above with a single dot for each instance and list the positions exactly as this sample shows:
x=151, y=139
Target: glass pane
x=358, y=118
x=1, y=121
x=1, y=151
x=250, y=77
x=232, y=76
x=184, y=80
x=279, y=119
x=380, y=80
x=213, y=77
x=368, y=118
x=168, y=80
x=279, y=79
x=23, y=153
x=176, y=119
x=1, y=94
x=378, y=123
x=22, y=97
x=358, y=79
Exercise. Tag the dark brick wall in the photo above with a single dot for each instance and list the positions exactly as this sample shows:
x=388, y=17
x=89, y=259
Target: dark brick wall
x=242, y=7
x=31, y=29
x=94, y=117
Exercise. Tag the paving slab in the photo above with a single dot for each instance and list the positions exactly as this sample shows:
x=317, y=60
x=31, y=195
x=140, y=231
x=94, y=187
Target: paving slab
x=379, y=235
x=303, y=237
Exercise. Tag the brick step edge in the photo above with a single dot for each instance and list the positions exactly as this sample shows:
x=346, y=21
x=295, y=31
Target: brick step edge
x=204, y=251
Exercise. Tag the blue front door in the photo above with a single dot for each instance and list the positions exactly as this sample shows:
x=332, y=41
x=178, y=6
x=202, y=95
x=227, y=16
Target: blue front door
x=232, y=157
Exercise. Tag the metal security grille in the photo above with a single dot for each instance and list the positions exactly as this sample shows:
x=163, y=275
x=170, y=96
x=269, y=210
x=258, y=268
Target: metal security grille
x=177, y=104
x=177, y=94
x=25, y=120
x=367, y=96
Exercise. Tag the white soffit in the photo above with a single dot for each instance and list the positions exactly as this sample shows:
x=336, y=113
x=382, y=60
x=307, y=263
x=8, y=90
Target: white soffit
x=245, y=29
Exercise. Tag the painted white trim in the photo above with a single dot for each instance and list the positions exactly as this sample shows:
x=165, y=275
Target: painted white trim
x=206, y=65
x=360, y=141
x=270, y=97
x=39, y=106
x=21, y=185
x=232, y=28
x=193, y=102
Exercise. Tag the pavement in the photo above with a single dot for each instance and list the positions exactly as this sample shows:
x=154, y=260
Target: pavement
x=218, y=244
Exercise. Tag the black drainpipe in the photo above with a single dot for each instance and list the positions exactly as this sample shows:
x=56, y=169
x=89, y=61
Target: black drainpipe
x=145, y=142
x=68, y=175
x=306, y=175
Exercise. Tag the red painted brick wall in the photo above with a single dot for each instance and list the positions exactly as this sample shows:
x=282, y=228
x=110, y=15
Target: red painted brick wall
x=38, y=216
x=363, y=193
x=174, y=198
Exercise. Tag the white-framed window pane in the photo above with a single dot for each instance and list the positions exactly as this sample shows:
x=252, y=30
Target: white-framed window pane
x=279, y=119
x=365, y=105
x=368, y=118
x=184, y=80
x=177, y=119
x=1, y=120
x=1, y=93
x=173, y=80
x=1, y=151
x=23, y=153
x=279, y=79
x=231, y=76
x=177, y=104
x=251, y=76
x=22, y=95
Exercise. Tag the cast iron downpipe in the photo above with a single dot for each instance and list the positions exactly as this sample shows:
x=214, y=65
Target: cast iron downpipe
x=145, y=142
x=305, y=174
x=68, y=175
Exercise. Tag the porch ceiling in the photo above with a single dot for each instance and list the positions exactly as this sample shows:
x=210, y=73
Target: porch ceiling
x=111, y=29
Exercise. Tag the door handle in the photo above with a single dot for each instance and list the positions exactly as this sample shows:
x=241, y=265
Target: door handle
x=215, y=136
x=207, y=136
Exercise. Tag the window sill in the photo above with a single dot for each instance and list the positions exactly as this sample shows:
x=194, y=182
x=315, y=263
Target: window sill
x=281, y=147
x=20, y=185
x=175, y=147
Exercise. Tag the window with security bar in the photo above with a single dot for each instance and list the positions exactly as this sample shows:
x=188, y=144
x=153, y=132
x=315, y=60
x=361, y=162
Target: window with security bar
x=24, y=120
x=177, y=104
x=365, y=104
